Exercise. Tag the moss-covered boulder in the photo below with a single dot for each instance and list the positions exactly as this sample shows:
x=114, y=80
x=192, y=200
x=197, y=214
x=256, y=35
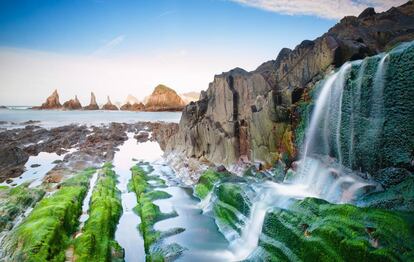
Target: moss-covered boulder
x=315, y=230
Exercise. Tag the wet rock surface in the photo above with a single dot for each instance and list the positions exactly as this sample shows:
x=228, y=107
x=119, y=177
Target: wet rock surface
x=94, y=145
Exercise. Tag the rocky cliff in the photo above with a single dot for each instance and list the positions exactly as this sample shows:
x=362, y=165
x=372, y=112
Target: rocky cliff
x=92, y=105
x=250, y=115
x=52, y=102
x=72, y=104
x=164, y=98
x=109, y=105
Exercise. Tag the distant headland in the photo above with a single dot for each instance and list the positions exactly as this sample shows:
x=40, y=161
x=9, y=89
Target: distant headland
x=162, y=98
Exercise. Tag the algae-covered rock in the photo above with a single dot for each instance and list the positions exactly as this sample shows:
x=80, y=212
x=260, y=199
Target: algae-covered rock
x=14, y=201
x=206, y=183
x=44, y=234
x=96, y=243
x=315, y=230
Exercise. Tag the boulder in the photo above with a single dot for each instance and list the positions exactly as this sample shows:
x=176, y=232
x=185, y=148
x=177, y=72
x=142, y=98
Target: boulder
x=72, y=104
x=92, y=105
x=164, y=98
x=109, y=105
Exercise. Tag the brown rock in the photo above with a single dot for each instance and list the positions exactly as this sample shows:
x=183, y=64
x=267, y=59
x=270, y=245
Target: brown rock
x=133, y=107
x=72, y=104
x=92, y=105
x=52, y=102
x=109, y=105
x=164, y=98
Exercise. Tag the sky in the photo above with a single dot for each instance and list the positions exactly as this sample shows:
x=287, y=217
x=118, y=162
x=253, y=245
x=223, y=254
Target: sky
x=121, y=47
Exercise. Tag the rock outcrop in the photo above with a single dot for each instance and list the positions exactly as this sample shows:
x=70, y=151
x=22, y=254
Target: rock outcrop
x=164, y=98
x=72, y=104
x=133, y=107
x=248, y=115
x=52, y=102
x=92, y=105
x=109, y=105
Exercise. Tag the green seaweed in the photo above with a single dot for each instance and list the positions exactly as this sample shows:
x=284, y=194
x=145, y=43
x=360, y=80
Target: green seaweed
x=45, y=233
x=96, y=242
x=315, y=230
x=206, y=183
x=15, y=200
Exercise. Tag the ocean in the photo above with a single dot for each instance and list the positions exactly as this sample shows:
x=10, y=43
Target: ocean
x=15, y=117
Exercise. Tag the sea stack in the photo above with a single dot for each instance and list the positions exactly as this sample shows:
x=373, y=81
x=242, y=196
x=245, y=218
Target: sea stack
x=72, y=104
x=133, y=107
x=164, y=98
x=92, y=105
x=52, y=102
x=109, y=105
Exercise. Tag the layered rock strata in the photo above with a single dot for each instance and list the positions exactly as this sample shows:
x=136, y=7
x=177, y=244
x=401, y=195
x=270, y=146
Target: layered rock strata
x=248, y=115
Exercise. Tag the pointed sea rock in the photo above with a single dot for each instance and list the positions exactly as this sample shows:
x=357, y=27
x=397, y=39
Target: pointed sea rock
x=109, y=105
x=52, y=102
x=72, y=104
x=92, y=105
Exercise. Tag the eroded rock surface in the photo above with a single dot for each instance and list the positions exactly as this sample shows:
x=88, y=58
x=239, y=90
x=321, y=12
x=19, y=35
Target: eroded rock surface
x=248, y=115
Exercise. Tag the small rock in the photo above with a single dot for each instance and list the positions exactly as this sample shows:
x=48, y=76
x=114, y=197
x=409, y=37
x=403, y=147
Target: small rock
x=35, y=165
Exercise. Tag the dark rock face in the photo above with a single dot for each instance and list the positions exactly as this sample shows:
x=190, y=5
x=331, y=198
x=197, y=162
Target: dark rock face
x=52, y=102
x=92, y=105
x=109, y=105
x=164, y=98
x=12, y=160
x=249, y=114
x=72, y=104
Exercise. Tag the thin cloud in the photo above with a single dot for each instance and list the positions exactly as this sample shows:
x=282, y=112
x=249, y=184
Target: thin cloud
x=169, y=12
x=111, y=44
x=329, y=9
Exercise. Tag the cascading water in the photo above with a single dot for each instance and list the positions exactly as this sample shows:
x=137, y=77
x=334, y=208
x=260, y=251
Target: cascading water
x=325, y=169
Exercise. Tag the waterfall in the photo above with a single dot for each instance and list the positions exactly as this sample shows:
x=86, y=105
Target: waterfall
x=325, y=168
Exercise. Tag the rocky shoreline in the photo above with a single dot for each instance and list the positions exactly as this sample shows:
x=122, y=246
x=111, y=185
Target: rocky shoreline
x=94, y=145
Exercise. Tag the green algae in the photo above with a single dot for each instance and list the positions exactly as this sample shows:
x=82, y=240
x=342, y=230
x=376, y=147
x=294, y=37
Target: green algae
x=206, y=183
x=315, y=230
x=15, y=200
x=96, y=243
x=150, y=214
x=45, y=233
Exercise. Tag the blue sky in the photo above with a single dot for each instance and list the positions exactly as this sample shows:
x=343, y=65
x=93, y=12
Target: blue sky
x=182, y=43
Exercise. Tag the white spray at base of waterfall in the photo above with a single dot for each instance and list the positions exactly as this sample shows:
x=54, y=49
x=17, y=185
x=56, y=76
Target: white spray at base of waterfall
x=315, y=177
